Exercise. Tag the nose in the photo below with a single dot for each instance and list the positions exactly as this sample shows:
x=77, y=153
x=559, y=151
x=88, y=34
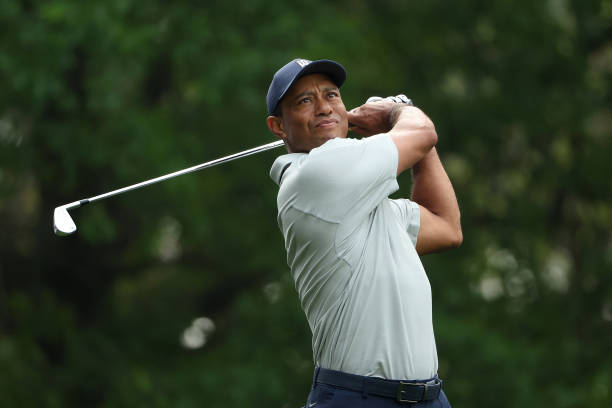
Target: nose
x=323, y=107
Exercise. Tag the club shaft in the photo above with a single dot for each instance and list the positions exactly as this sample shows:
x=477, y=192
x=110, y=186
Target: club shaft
x=184, y=171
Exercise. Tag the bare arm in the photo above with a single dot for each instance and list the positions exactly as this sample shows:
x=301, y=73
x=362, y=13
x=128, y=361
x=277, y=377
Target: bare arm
x=440, y=218
x=415, y=136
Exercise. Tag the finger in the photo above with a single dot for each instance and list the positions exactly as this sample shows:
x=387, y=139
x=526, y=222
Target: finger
x=355, y=113
x=352, y=120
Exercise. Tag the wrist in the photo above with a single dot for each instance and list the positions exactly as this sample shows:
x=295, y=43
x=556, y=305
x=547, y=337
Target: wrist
x=394, y=115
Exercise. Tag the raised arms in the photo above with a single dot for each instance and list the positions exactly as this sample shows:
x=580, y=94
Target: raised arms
x=415, y=136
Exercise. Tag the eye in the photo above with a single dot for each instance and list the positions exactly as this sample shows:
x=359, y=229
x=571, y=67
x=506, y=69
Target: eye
x=332, y=95
x=304, y=100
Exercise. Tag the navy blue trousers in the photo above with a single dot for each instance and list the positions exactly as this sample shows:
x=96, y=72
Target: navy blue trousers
x=327, y=396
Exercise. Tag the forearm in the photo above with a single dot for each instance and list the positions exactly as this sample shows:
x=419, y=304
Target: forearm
x=413, y=133
x=432, y=189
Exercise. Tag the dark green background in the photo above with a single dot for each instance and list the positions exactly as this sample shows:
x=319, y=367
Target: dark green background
x=99, y=95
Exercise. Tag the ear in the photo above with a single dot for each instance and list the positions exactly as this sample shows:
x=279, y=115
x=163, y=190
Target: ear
x=275, y=124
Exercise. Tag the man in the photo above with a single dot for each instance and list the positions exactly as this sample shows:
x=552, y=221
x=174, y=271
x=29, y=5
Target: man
x=353, y=252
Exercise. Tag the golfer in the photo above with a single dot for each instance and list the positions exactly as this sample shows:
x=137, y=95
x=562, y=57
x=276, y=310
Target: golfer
x=353, y=251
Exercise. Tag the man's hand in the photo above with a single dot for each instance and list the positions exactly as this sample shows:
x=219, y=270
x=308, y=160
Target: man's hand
x=377, y=115
x=372, y=118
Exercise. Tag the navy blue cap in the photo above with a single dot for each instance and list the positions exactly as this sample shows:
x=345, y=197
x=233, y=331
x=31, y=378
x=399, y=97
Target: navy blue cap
x=287, y=75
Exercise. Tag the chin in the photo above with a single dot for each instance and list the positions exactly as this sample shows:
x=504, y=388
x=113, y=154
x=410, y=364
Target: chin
x=328, y=137
x=334, y=134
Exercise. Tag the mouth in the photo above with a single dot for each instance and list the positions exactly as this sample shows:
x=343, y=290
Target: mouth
x=327, y=123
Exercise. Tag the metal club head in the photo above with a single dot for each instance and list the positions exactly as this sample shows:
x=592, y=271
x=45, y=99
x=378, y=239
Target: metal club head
x=62, y=222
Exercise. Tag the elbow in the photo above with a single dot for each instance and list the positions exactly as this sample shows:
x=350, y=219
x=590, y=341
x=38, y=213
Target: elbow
x=444, y=239
x=429, y=136
x=433, y=137
x=457, y=239
x=428, y=140
x=453, y=236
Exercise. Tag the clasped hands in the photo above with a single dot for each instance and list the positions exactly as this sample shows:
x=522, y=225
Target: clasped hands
x=377, y=114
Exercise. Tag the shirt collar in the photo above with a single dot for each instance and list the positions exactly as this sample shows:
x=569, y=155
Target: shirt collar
x=281, y=163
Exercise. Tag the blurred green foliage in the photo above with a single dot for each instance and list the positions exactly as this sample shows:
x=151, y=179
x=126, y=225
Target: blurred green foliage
x=99, y=95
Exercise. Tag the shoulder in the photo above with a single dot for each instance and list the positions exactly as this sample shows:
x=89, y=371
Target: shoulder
x=282, y=163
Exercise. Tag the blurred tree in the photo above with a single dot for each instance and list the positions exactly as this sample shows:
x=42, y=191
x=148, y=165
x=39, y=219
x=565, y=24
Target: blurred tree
x=178, y=295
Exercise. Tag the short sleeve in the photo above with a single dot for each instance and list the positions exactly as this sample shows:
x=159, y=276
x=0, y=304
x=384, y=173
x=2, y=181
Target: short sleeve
x=409, y=215
x=347, y=178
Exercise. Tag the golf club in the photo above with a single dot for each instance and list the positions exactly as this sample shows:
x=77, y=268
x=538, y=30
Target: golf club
x=64, y=225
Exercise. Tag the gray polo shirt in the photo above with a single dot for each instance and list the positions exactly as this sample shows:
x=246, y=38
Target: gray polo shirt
x=352, y=255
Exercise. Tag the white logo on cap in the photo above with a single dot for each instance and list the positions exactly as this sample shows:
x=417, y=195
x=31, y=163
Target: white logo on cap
x=302, y=62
